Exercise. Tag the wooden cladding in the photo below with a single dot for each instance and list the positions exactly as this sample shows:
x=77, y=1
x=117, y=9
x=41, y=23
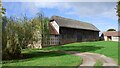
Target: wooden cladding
x=69, y=35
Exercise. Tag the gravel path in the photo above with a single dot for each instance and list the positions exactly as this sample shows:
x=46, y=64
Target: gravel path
x=89, y=59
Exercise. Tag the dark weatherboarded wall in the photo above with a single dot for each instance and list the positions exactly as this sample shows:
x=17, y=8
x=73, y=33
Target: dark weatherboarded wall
x=70, y=35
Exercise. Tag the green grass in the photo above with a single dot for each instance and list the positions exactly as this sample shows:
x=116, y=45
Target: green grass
x=51, y=56
x=44, y=58
x=98, y=64
x=107, y=48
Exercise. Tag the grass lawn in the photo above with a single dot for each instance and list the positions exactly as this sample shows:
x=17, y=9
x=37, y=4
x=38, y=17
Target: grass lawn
x=33, y=57
x=107, y=48
x=50, y=56
x=98, y=64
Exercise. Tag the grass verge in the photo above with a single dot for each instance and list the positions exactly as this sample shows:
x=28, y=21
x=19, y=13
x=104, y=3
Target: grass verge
x=98, y=64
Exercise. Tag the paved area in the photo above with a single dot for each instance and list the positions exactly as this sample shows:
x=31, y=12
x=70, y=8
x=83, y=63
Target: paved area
x=89, y=59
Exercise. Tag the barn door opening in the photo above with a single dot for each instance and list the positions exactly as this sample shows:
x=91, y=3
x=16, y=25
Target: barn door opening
x=109, y=38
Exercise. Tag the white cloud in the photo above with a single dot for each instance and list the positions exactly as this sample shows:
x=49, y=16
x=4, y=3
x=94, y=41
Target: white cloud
x=35, y=7
x=45, y=4
x=29, y=8
x=91, y=10
x=83, y=9
x=95, y=9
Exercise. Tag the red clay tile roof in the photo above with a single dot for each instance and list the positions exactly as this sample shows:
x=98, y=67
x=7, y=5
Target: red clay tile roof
x=112, y=33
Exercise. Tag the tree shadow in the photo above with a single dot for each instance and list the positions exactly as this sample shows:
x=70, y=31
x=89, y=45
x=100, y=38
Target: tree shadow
x=36, y=54
x=57, y=52
x=80, y=48
x=33, y=55
x=44, y=53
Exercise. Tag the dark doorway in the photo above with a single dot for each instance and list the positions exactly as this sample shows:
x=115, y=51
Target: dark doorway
x=109, y=38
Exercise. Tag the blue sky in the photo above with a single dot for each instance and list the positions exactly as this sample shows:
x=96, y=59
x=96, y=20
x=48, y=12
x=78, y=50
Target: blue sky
x=101, y=14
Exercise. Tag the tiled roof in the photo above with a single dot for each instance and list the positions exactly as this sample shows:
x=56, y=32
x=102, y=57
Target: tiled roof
x=65, y=22
x=112, y=33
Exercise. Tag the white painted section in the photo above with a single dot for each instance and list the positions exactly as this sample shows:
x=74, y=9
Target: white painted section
x=105, y=38
x=55, y=25
x=115, y=38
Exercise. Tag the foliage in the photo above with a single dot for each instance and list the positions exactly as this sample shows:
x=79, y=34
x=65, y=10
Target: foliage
x=18, y=33
x=111, y=30
x=12, y=48
x=118, y=9
x=101, y=38
x=3, y=9
x=118, y=13
x=44, y=26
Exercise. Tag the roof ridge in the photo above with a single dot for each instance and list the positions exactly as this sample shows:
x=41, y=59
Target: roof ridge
x=61, y=20
x=71, y=19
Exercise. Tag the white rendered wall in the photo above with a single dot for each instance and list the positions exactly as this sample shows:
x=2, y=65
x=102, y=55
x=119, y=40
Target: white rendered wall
x=55, y=25
x=105, y=38
x=115, y=38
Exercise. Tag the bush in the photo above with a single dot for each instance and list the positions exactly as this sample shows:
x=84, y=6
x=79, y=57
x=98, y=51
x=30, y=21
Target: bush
x=11, y=48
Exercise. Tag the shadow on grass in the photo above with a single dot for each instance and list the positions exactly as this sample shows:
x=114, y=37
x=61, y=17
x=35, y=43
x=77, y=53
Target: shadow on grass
x=37, y=53
x=53, y=53
x=34, y=55
x=83, y=48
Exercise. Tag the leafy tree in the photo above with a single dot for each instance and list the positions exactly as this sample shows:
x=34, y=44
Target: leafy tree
x=111, y=30
x=3, y=10
x=44, y=29
x=11, y=47
x=19, y=33
x=118, y=13
x=2, y=13
x=118, y=10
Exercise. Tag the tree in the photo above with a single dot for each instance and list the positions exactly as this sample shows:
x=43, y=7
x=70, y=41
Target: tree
x=118, y=10
x=41, y=32
x=11, y=48
x=111, y=30
x=19, y=33
x=44, y=29
x=118, y=13
x=2, y=13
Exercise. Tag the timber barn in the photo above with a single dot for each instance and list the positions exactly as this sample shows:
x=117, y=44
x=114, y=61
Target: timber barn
x=65, y=30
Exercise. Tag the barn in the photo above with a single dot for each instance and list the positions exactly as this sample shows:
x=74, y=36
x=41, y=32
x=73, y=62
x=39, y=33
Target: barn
x=111, y=36
x=65, y=30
